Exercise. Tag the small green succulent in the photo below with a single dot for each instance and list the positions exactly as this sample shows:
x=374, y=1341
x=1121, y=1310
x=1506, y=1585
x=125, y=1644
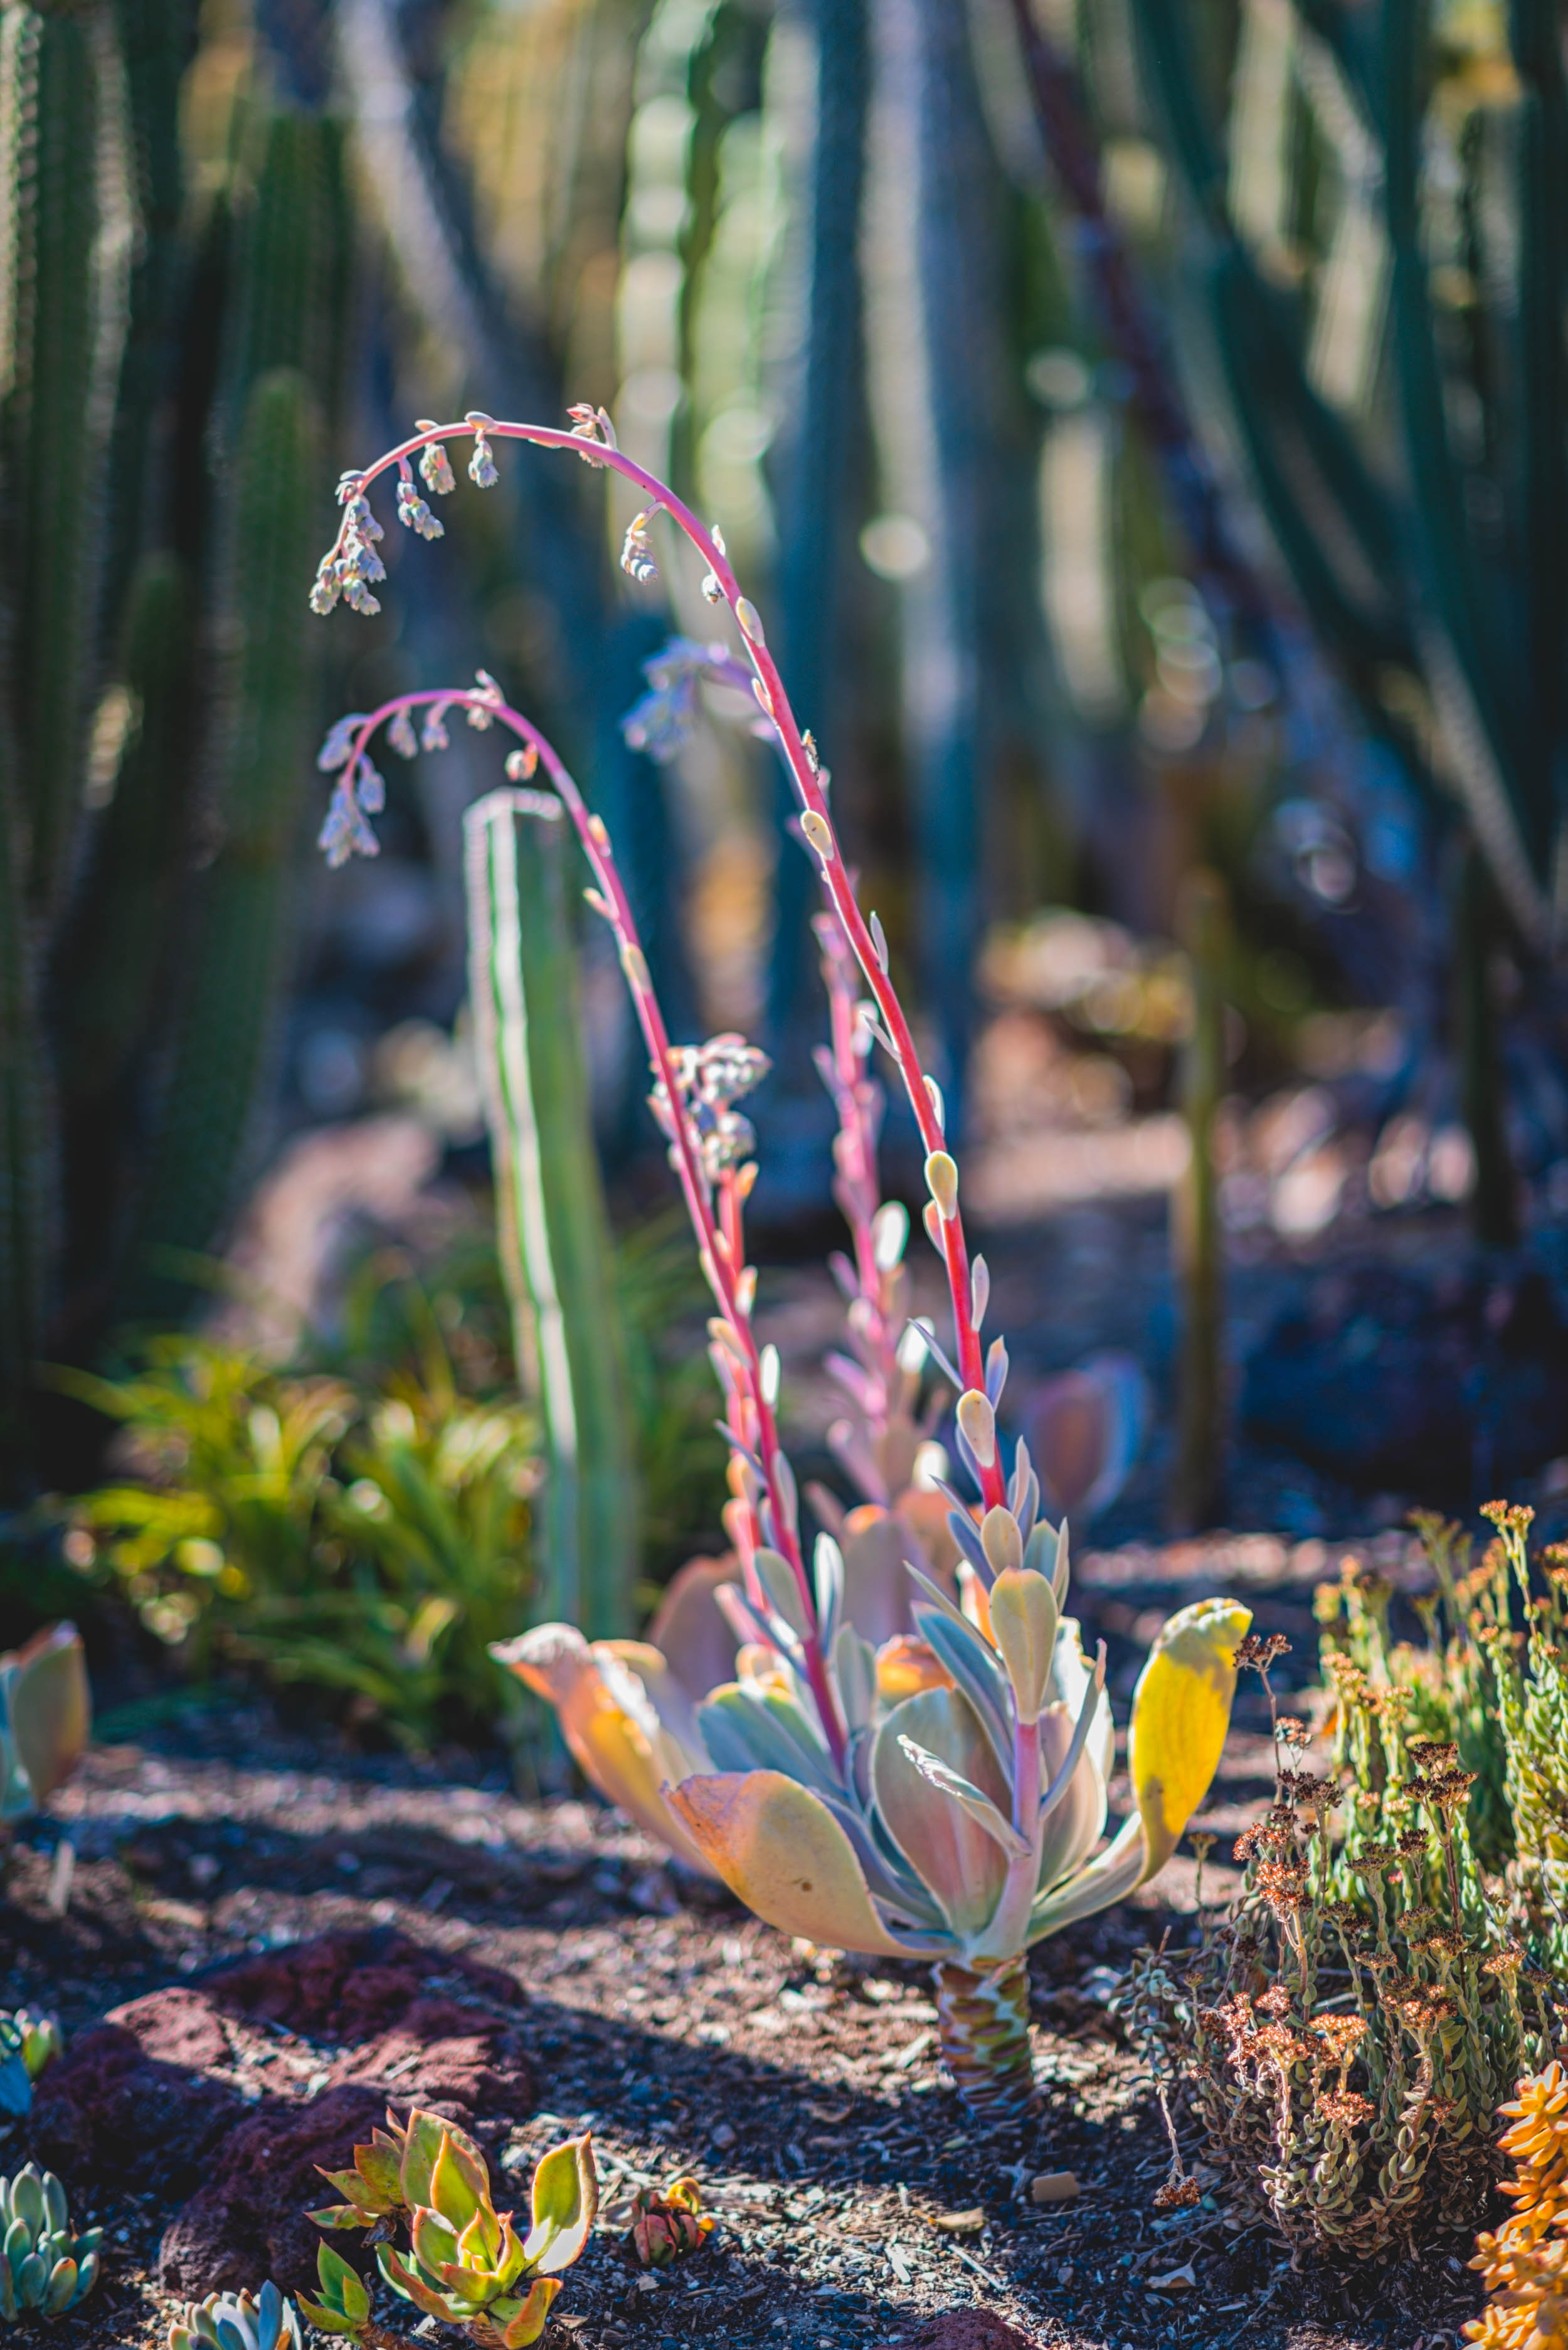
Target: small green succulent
x=466, y=2265
x=42, y=2264
x=236, y=2321
x=27, y=2043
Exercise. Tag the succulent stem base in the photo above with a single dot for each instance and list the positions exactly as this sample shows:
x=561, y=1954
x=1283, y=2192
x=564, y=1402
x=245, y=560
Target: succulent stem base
x=983, y=2027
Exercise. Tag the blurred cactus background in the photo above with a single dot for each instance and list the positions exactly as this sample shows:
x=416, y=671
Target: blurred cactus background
x=1141, y=424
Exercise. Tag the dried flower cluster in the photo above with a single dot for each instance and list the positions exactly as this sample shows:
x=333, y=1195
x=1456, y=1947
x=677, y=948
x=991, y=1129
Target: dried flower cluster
x=1347, y=2033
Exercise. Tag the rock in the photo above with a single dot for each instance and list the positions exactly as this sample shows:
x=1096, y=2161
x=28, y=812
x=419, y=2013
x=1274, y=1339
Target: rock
x=248, y=2222
x=966, y=2329
x=136, y=2097
x=1053, y=2187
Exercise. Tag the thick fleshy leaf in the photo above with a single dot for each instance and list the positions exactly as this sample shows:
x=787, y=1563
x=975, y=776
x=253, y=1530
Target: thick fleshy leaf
x=342, y=2291
x=1111, y=1877
x=950, y=1851
x=407, y=2283
x=1023, y=1620
x=566, y=2198
x=531, y=2319
x=434, y=2240
x=924, y=1512
x=1181, y=1714
x=50, y=1706
x=780, y=1850
x=1086, y=1427
x=422, y=2142
x=689, y=1630
x=460, y=2185
x=1075, y=1825
x=761, y=1729
x=975, y=1668
x=610, y=1747
x=958, y=1789
x=876, y=1591
x=776, y=1577
x=857, y=1671
x=908, y=1665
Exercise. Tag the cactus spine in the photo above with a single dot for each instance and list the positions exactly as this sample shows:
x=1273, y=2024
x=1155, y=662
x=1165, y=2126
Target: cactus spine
x=555, y=1246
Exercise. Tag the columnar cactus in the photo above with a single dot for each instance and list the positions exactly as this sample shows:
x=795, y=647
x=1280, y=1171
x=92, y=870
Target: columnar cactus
x=555, y=1237
x=120, y=1127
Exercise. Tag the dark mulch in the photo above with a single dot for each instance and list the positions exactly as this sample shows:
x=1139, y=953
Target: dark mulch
x=477, y=1943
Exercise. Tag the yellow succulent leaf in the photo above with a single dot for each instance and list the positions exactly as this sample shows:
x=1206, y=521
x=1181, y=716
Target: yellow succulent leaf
x=607, y=1745
x=779, y=1848
x=1180, y=1712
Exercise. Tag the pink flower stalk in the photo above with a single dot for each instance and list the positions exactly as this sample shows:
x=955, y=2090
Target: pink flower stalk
x=713, y=1179
x=352, y=563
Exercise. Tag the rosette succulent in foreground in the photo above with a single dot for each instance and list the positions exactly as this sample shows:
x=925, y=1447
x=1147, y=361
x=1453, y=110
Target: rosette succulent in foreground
x=42, y=2265
x=239, y=2321
x=465, y=2265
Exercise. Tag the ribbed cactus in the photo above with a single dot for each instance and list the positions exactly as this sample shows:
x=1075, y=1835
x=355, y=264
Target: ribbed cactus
x=162, y=379
x=555, y=1246
x=1457, y=578
x=238, y=927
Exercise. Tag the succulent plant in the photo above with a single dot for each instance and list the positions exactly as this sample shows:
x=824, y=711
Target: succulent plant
x=949, y=1809
x=27, y=2043
x=667, y=2222
x=42, y=2265
x=238, y=2321
x=466, y=2264
x=46, y=1717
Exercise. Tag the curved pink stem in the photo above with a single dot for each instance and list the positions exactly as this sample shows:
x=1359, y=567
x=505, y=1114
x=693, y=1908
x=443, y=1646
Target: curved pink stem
x=715, y=1246
x=946, y=1233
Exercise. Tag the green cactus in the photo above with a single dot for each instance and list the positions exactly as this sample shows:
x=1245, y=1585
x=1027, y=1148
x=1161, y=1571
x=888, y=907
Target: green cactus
x=165, y=369
x=239, y=928
x=42, y=2265
x=1204, y=928
x=556, y=1244
x=1410, y=579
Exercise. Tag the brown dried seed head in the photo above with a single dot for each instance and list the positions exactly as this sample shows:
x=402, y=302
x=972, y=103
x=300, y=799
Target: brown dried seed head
x=1431, y=1756
x=1258, y=1652
x=1176, y=2195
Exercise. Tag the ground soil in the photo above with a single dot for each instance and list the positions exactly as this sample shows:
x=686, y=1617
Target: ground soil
x=803, y=2091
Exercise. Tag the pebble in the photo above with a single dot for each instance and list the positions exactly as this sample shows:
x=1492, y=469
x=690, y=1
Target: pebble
x=1053, y=2187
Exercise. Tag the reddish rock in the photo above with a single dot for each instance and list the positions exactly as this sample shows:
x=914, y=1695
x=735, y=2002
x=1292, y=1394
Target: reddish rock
x=248, y=2223
x=966, y=2329
x=138, y=2095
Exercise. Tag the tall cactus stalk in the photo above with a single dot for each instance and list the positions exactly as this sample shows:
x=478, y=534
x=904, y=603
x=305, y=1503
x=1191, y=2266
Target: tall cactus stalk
x=239, y=927
x=556, y=1246
x=1204, y=929
x=161, y=452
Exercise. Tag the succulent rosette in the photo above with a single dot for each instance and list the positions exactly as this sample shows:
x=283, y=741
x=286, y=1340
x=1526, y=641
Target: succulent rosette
x=966, y=1822
x=466, y=2265
x=871, y=1754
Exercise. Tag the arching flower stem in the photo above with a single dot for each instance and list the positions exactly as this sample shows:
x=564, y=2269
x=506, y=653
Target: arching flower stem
x=944, y=1222
x=719, y=1237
